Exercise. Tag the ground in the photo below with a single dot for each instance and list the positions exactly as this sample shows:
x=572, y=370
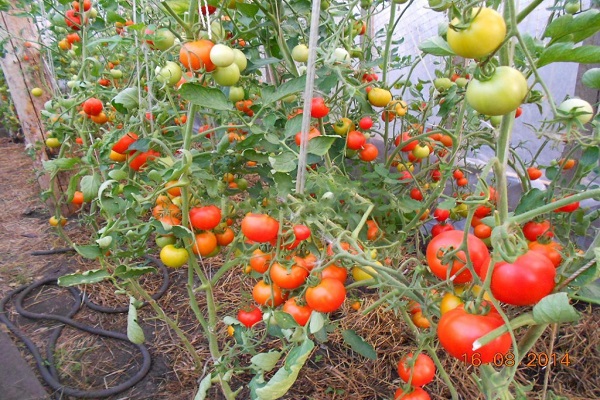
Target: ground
x=333, y=371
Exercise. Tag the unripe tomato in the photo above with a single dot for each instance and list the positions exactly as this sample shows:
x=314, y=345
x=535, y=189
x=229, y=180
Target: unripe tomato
x=499, y=95
x=379, y=97
x=221, y=55
x=171, y=73
x=173, y=257
x=485, y=33
x=300, y=53
x=343, y=126
x=227, y=76
x=580, y=109
x=421, y=152
x=239, y=59
x=236, y=93
x=360, y=274
x=52, y=142
x=37, y=92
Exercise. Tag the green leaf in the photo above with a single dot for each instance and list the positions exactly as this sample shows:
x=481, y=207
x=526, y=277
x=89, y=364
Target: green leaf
x=436, y=46
x=61, y=164
x=358, y=344
x=113, y=16
x=83, y=278
x=590, y=293
x=566, y=52
x=135, y=334
x=126, y=272
x=90, y=184
x=283, y=183
x=531, y=200
x=320, y=145
x=290, y=87
x=591, y=78
x=253, y=65
x=285, y=320
x=590, y=156
x=293, y=126
x=89, y=251
x=574, y=29
x=205, y=385
x=126, y=101
x=554, y=308
x=285, y=377
x=249, y=10
x=205, y=96
x=265, y=361
x=117, y=174
x=284, y=162
x=316, y=322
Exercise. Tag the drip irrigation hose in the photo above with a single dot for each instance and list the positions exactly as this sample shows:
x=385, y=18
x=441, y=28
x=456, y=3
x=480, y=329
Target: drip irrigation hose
x=47, y=367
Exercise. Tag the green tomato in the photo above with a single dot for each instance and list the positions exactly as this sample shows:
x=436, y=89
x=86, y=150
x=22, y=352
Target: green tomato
x=242, y=183
x=221, y=55
x=421, y=151
x=116, y=73
x=572, y=7
x=239, y=59
x=461, y=82
x=341, y=55
x=300, y=53
x=501, y=94
x=163, y=39
x=484, y=34
x=236, y=93
x=577, y=108
x=442, y=84
x=227, y=76
x=52, y=142
x=162, y=241
x=496, y=120
x=171, y=73
x=173, y=257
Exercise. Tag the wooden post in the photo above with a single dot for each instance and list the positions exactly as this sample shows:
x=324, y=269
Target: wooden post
x=24, y=70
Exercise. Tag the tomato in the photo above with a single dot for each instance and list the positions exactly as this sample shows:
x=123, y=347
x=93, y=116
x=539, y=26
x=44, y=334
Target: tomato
x=569, y=208
x=421, y=152
x=441, y=227
x=173, y=257
x=480, y=256
x=484, y=34
x=534, y=173
x=53, y=221
x=318, y=108
x=418, y=371
x=37, y=92
x=92, y=106
x=168, y=213
x=533, y=230
x=441, y=215
x=52, y=142
x=551, y=250
x=449, y=302
x=355, y=140
x=416, y=194
x=300, y=53
x=572, y=7
x=379, y=97
x=301, y=232
x=221, y=55
x=361, y=274
x=227, y=76
x=170, y=73
x=416, y=394
x=267, y=295
x=225, y=238
x=139, y=162
x=343, y=126
x=250, y=316
x=291, y=278
x=239, y=59
x=87, y=4
x=78, y=198
x=524, y=282
x=405, y=137
x=314, y=132
x=73, y=20
x=457, y=330
x=420, y=320
x=499, y=95
x=260, y=228
x=372, y=230
x=301, y=314
x=365, y=123
x=163, y=39
x=196, y=55
x=205, y=243
x=335, y=272
x=259, y=261
x=567, y=164
x=482, y=231
x=368, y=153
x=577, y=108
x=206, y=217
x=442, y=84
x=327, y=296
x=436, y=175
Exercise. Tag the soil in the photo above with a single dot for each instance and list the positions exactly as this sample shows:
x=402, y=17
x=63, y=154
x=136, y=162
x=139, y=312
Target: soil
x=332, y=372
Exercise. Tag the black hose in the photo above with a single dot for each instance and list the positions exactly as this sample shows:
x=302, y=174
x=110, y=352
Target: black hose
x=46, y=367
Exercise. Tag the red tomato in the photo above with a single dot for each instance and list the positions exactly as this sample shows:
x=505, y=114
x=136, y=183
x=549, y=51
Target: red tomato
x=249, y=317
x=550, y=250
x=369, y=152
x=416, y=394
x=534, y=173
x=318, y=108
x=327, y=296
x=441, y=215
x=457, y=330
x=441, y=227
x=301, y=232
x=301, y=314
x=291, y=278
x=260, y=228
x=365, y=123
x=436, y=175
x=259, y=261
x=355, y=140
x=417, y=372
x=205, y=218
x=405, y=138
x=139, y=161
x=124, y=142
x=569, y=208
x=524, y=282
x=72, y=19
x=478, y=251
x=416, y=194
x=533, y=230
x=335, y=272
x=267, y=295
x=92, y=106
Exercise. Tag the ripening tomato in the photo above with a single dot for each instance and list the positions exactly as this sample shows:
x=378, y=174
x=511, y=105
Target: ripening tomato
x=285, y=278
x=551, y=250
x=416, y=394
x=534, y=173
x=478, y=251
x=173, y=257
x=92, y=106
x=249, y=316
x=441, y=227
x=267, y=295
x=205, y=244
x=355, y=140
x=259, y=261
x=78, y=198
x=300, y=313
x=335, y=272
x=139, y=162
x=533, y=230
x=458, y=329
x=260, y=228
x=327, y=296
x=369, y=152
x=196, y=55
x=449, y=302
x=73, y=20
x=124, y=142
x=314, y=132
x=226, y=237
x=418, y=371
x=318, y=108
x=343, y=126
x=484, y=34
x=206, y=217
x=379, y=97
x=524, y=282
